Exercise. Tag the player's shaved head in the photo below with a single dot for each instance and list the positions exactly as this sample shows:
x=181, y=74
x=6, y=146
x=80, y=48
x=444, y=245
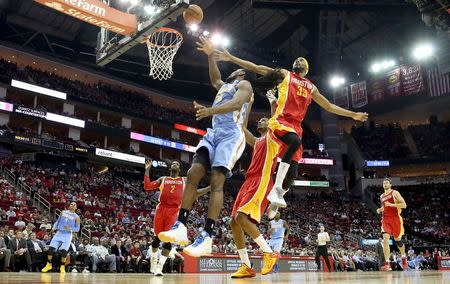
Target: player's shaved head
x=300, y=66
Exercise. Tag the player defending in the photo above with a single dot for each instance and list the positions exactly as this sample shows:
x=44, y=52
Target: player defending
x=295, y=93
x=67, y=223
x=251, y=202
x=279, y=231
x=166, y=214
x=392, y=204
x=219, y=150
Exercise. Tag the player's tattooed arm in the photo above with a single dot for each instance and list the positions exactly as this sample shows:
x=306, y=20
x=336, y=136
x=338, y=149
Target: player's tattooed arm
x=224, y=55
x=241, y=97
x=328, y=106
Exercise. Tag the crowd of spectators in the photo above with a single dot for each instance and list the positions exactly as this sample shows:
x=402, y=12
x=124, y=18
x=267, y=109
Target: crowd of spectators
x=381, y=142
x=432, y=139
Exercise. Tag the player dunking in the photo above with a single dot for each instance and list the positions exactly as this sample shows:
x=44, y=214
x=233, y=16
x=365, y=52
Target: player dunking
x=251, y=202
x=171, y=191
x=218, y=151
x=67, y=223
x=392, y=204
x=295, y=93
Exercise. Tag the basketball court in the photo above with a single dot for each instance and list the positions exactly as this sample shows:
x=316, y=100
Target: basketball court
x=423, y=277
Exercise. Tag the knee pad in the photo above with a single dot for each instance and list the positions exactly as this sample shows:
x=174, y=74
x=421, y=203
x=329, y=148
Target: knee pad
x=167, y=246
x=156, y=242
x=63, y=253
x=399, y=243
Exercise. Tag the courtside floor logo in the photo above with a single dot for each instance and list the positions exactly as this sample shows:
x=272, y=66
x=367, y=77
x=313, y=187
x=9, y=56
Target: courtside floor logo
x=95, y=12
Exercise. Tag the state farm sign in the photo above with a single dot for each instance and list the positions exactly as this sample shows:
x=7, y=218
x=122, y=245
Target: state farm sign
x=95, y=12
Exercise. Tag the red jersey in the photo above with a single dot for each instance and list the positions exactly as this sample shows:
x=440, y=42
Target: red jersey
x=389, y=211
x=259, y=159
x=294, y=97
x=171, y=191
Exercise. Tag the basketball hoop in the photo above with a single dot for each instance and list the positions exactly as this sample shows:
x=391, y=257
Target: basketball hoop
x=162, y=46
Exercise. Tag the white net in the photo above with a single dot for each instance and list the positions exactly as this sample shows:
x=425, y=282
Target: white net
x=162, y=46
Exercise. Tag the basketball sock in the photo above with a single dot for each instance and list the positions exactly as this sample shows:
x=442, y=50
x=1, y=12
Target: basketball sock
x=263, y=245
x=162, y=259
x=281, y=174
x=183, y=215
x=243, y=255
x=209, y=226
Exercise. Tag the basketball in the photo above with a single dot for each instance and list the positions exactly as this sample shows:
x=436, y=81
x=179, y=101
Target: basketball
x=193, y=15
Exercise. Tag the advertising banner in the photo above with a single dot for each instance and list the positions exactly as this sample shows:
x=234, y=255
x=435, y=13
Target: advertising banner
x=95, y=12
x=228, y=263
x=189, y=129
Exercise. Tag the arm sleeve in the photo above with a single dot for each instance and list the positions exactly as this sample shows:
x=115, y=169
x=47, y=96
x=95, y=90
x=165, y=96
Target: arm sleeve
x=150, y=185
x=76, y=228
x=55, y=226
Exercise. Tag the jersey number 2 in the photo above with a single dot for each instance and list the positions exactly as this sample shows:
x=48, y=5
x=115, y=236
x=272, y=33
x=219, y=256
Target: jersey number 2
x=172, y=189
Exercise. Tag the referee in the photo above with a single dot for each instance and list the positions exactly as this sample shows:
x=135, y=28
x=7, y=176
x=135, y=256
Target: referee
x=322, y=239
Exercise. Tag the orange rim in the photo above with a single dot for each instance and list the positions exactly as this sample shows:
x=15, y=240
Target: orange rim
x=169, y=30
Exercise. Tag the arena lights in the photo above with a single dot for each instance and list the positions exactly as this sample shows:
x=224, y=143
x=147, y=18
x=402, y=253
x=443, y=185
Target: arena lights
x=337, y=81
x=423, y=51
x=382, y=65
x=194, y=27
x=218, y=39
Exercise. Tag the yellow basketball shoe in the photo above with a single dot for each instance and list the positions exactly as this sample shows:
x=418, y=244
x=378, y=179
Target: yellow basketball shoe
x=269, y=261
x=47, y=268
x=244, y=272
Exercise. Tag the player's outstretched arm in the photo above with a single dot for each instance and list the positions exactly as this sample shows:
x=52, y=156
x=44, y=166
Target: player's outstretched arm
x=224, y=55
x=214, y=73
x=241, y=97
x=203, y=191
x=325, y=104
x=148, y=184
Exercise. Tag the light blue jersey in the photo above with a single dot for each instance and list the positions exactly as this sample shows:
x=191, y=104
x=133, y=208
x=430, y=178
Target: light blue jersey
x=66, y=224
x=235, y=118
x=225, y=141
x=67, y=221
x=277, y=235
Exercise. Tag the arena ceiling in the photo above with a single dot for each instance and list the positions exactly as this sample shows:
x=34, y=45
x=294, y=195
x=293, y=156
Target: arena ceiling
x=263, y=31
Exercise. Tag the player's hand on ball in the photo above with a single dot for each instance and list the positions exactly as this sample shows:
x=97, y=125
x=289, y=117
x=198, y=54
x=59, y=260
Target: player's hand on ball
x=361, y=116
x=223, y=55
x=202, y=111
x=205, y=46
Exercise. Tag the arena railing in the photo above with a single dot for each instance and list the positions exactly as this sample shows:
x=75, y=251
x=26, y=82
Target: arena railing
x=39, y=199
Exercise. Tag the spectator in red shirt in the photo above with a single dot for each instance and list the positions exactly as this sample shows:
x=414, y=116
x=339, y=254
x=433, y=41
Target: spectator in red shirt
x=136, y=256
